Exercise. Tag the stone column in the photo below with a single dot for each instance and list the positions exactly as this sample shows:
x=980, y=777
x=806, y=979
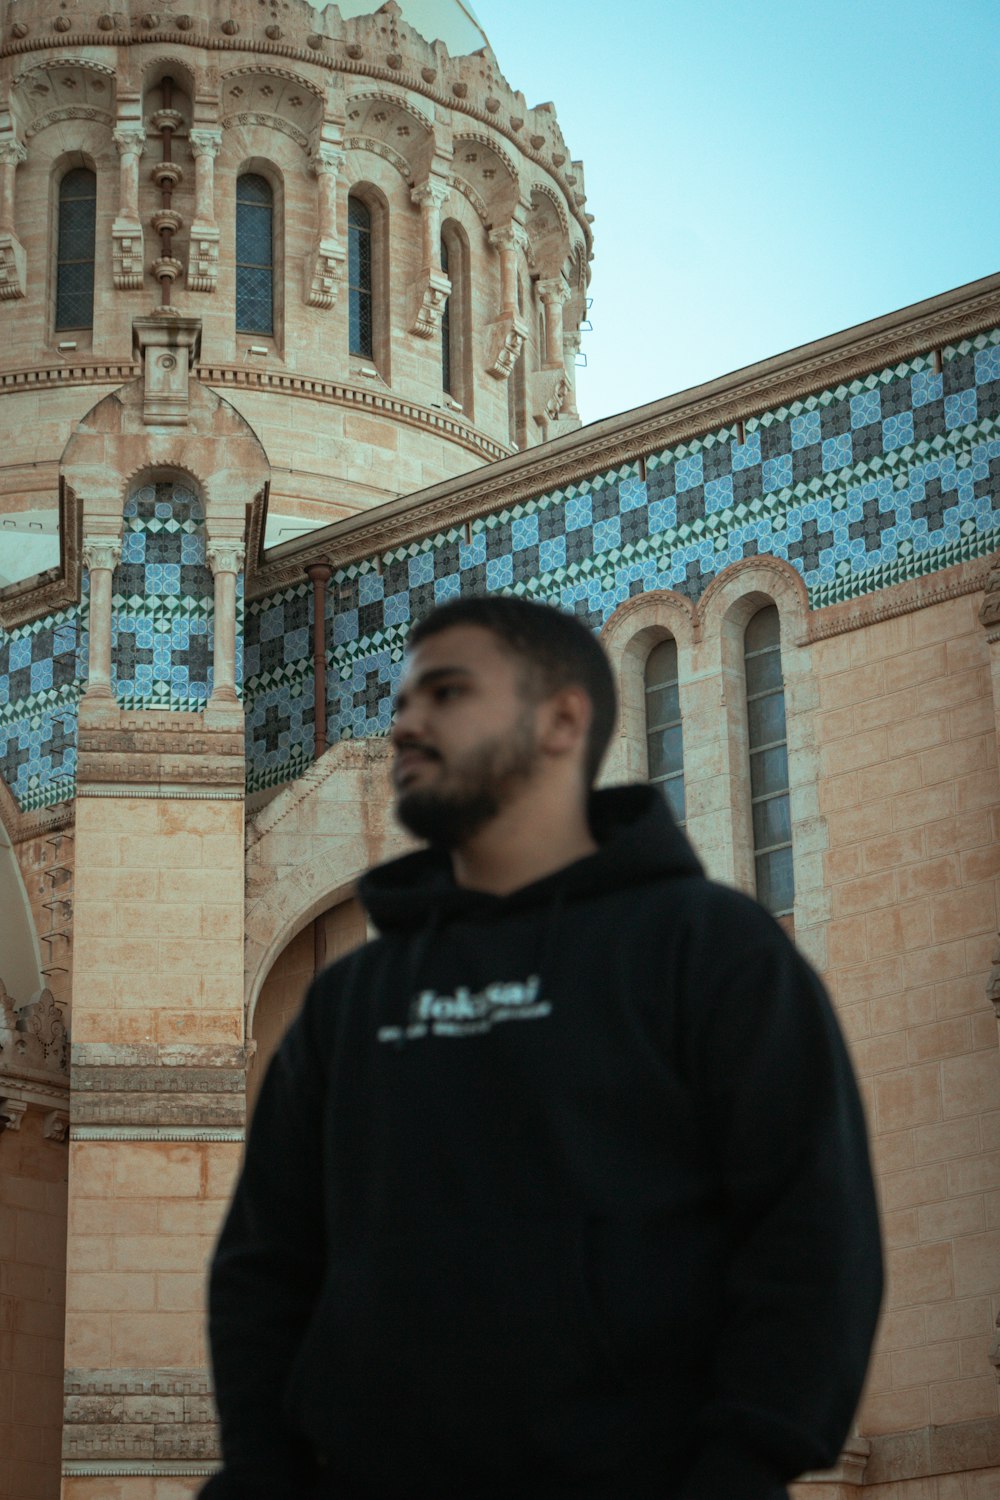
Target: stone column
x=509, y=330
x=101, y=555
x=225, y=560
x=325, y=267
x=433, y=287
x=507, y=242
x=13, y=262
x=126, y=231
x=203, y=261
x=554, y=292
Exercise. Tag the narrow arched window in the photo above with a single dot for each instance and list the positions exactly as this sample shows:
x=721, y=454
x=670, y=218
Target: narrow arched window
x=664, y=740
x=446, y=361
x=768, y=743
x=254, y=254
x=75, y=250
x=359, y=265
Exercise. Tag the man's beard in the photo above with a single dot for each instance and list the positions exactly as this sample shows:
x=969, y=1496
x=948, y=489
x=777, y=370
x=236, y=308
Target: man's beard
x=476, y=788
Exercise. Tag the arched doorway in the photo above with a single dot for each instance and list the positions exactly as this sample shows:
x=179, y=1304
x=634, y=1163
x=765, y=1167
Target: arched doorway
x=341, y=929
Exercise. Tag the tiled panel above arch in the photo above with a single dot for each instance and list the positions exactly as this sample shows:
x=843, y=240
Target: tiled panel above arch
x=161, y=631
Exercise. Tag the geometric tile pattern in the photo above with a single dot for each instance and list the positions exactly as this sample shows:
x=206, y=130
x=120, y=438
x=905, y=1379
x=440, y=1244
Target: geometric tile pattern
x=43, y=669
x=277, y=686
x=162, y=603
x=892, y=476
x=889, y=477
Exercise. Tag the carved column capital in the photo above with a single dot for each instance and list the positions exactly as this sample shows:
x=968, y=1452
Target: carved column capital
x=553, y=290
x=225, y=557
x=130, y=140
x=12, y=153
x=101, y=553
x=205, y=143
x=512, y=236
x=434, y=192
x=326, y=159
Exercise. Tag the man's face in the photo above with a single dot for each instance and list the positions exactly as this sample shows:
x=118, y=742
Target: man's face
x=464, y=735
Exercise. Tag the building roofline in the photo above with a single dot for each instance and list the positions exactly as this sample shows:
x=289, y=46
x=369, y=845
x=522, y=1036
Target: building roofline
x=607, y=444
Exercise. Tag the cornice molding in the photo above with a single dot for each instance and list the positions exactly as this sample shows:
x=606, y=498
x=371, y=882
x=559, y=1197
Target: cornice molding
x=637, y=434
x=22, y=826
x=80, y=372
x=338, y=393
x=900, y=599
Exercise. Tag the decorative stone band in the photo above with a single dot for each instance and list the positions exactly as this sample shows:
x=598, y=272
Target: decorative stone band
x=126, y=1470
x=139, y=1421
x=129, y=753
x=175, y=1133
x=159, y=1097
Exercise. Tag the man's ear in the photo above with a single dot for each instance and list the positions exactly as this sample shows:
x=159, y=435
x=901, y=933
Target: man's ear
x=564, y=721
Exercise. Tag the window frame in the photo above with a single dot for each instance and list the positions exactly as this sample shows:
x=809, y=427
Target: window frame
x=68, y=170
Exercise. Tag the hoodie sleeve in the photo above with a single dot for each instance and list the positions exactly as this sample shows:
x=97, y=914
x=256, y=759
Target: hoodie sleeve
x=266, y=1275
x=804, y=1275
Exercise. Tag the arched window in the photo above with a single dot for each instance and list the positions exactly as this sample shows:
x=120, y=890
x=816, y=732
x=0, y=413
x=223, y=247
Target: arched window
x=446, y=360
x=768, y=742
x=359, y=260
x=75, y=250
x=664, y=741
x=254, y=254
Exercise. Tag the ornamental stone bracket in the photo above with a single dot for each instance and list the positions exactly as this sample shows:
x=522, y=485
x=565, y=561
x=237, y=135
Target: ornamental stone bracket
x=127, y=255
x=433, y=291
x=13, y=266
x=554, y=395
x=168, y=347
x=324, y=273
x=203, y=258
x=507, y=336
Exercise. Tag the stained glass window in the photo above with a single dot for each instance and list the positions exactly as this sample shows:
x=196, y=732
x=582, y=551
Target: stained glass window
x=254, y=254
x=75, y=250
x=772, y=823
x=445, y=329
x=664, y=740
x=359, y=256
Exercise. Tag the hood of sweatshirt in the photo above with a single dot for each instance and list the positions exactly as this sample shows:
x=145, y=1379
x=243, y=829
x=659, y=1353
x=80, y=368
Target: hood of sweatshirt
x=638, y=841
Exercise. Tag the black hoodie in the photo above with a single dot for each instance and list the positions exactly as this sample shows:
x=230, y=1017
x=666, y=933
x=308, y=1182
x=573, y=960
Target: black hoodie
x=563, y=1193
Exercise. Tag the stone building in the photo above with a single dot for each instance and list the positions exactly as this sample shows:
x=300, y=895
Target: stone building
x=290, y=309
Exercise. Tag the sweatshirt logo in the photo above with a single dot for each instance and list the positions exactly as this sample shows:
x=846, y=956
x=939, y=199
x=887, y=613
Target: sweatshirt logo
x=468, y=1014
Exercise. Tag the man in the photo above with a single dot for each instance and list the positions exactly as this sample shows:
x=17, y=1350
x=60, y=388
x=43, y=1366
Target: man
x=560, y=1187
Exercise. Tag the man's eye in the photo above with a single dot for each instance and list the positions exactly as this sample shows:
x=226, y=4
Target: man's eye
x=447, y=690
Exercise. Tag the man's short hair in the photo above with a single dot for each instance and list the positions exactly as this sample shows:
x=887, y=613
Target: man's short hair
x=558, y=650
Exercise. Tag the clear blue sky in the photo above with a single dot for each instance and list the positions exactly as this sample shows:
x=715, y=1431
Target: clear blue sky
x=762, y=174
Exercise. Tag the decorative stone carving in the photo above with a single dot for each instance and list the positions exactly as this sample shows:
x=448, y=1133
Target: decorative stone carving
x=13, y=266
x=993, y=985
x=226, y=556
x=33, y=1035
x=168, y=347
x=507, y=338
x=12, y=1112
x=324, y=268
x=553, y=293
x=508, y=333
x=101, y=554
x=55, y=1126
x=433, y=287
x=989, y=613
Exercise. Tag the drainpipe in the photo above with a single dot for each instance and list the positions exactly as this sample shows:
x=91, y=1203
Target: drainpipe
x=319, y=576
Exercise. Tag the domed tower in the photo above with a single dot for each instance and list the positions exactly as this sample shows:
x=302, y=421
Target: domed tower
x=382, y=250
